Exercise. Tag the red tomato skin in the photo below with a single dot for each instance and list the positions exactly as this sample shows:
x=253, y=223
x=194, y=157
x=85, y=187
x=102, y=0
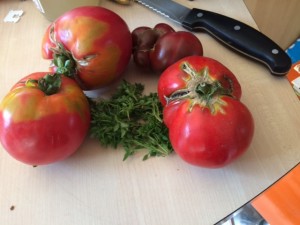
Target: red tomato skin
x=174, y=78
x=96, y=32
x=37, y=129
x=172, y=47
x=207, y=140
x=170, y=112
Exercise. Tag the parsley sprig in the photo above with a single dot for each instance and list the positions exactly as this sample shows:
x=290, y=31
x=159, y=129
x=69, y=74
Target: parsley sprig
x=132, y=120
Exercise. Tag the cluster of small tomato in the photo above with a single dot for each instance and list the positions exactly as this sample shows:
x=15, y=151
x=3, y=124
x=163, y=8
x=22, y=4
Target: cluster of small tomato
x=159, y=47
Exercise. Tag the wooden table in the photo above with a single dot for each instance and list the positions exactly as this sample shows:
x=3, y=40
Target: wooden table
x=94, y=186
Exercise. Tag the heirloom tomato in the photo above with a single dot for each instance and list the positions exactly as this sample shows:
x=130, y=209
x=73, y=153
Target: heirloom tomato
x=208, y=124
x=91, y=44
x=175, y=78
x=44, y=118
x=172, y=47
x=143, y=41
x=161, y=46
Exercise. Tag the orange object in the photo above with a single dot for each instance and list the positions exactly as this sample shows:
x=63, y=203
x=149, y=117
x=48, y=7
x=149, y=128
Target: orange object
x=294, y=77
x=280, y=203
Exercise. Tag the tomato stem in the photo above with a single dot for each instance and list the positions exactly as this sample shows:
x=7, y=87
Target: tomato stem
x=49, y=84
x=206, y=89
x=209, y=90
x=201, y=88
x=64, y=61
x=62, y=58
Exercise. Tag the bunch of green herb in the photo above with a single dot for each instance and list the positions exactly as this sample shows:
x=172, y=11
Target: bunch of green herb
x=132, y=120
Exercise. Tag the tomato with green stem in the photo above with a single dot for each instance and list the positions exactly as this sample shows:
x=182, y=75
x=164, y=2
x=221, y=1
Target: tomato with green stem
x=208, y=124
x=91, y=44
x=44, y=118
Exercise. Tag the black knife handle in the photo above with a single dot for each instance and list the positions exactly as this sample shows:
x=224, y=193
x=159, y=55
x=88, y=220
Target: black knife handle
x=240, y=37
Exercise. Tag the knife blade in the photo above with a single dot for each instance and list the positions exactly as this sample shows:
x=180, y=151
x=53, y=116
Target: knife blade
x=233, y=33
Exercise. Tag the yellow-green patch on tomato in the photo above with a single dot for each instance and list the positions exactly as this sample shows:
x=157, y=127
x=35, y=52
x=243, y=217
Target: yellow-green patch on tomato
x=38, y=127
x=91, y=44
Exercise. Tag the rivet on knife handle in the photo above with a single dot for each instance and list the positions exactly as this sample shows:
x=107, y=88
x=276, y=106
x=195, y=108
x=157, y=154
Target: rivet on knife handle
x=241, y=37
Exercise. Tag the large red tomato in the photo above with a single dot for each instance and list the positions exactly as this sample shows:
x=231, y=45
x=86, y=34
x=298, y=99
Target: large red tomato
x=90, y=43
x=208, y=125
x=45, y=121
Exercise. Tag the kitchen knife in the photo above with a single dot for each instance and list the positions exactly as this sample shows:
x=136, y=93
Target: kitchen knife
x=235, y=34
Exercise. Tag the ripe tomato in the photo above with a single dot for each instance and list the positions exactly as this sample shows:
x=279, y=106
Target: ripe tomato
x=208, y=125
x=175, y=78
x=91, y=43
x=40, y=125
x=145, y=37
x=207, y=139
x=172, y=47
x=161, y=46
x=143, y=41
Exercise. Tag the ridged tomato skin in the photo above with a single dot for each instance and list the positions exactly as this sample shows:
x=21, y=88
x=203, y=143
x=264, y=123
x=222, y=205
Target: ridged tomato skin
x=39, y=129
x=208, y=124
x=211, y=140
x=99, y=41
x=174, y=78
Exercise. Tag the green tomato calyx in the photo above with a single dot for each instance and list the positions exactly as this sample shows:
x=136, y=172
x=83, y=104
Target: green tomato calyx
x=65, y=63
x=62, y=59
x=50, y=84
x=202, y=89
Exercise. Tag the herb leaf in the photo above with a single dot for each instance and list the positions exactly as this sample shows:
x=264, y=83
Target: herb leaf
x=132, y=120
